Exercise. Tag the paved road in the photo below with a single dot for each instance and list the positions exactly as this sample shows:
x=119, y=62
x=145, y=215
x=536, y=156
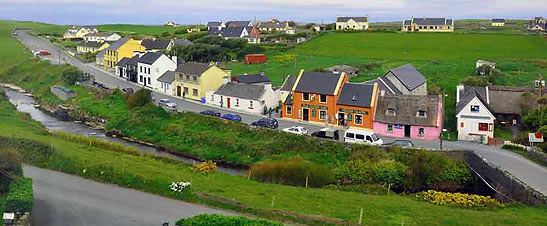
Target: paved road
x=62, y=199
x=529, y=172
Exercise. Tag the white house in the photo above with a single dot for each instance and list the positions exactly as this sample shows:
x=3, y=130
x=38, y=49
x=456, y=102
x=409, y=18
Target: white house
x=479, y=63
x=151, y=66
x=102, y=37
x=166, y=82
x=475, y=119
x=79, y=32
x=352, y=23
x=244, y=97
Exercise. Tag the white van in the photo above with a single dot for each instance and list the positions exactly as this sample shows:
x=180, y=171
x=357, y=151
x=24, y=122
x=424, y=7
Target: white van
x=362, y=137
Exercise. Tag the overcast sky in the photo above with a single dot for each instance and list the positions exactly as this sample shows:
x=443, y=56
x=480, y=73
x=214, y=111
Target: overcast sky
x=201, y=11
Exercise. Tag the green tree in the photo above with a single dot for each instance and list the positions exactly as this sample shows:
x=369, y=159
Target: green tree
x=139, y=98
x=71, y=76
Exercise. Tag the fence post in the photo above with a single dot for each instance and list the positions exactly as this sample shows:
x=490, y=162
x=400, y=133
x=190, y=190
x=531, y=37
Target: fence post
x=273, y=201
x=388, y=189
x=249, y=176
x=361, y=216
x=307, y=178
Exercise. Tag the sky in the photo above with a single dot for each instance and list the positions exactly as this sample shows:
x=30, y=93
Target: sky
x=89, y=12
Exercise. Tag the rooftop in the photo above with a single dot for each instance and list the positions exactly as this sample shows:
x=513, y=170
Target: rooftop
x=409, y=76
x=358, y=95
x=241, y=90
x=318, y=83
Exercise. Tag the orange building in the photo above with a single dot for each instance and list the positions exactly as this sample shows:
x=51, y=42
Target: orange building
x=328, y=98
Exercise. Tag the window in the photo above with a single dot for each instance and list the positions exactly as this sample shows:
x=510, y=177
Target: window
x=186, y=90
x=213, y=97
x=148, y=70
x=389, y=128
x=461, y=124
x=148, y=80
x=140, y=78
x=251, y=104
x=369, y=139
x=140, y=68
x=322, y=114
x=195, y=92
x=420, y=27
x=421, y=131
x=195, y=78
x=237, y=102
x=350, y=135
x=421, y=114
x=430, y=27
x=187, y=77
x=391, y=112
x=162, y=85
x=359, y=136
x=475, y=108
x=289, y=109
x=323, y=98
x=359, y=119
x=350, y=117
x=314, y=113
x=483, y=126
x=306, y=96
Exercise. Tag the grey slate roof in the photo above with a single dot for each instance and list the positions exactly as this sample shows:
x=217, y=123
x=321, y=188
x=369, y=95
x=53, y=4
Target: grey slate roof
x=156, y=43
x=468, y=94
x=150, y=57
x=213, y=31
x=123, y=62
x=100, y=34
x=480, y=90
x=382, y=86
x=232, y=32
x=406, y=108
x=318, y=83
x=353, y=94
x=273, y=24
x=214, y=24
x=251, y=79
x=182, y=42
x=241, y=90
x=288, y=83
x=407, y=22
x=432, y=21
x=357, y=19
x=243, y=23
x=343, y=68
x=116, y=45
x=100, y=55
x=409, y=76
x=133, y=61
x=167, y=77
x=91, y=44
x=498, y=20
x=193, y=68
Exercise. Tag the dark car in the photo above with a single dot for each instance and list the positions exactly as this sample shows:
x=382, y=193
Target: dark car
x=401, y=143
x=211, y=113
x=327, y=133
x=271, y=123
x=232, y=117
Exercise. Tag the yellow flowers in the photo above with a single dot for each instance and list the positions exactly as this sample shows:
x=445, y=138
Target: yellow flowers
x=205, y=167
x=458, y=199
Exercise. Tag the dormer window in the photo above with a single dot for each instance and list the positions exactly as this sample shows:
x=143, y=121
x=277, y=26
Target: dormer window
x=421, y=114
x=391, y=112
x=354, y=97
x=475, y=108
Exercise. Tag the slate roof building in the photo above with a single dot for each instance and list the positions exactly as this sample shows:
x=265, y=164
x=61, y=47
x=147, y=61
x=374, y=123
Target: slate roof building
x=356, y=105
x=103, y=36
x=153, y=65
x=352, y=23
x=156, y=45
x=194, y=80
x=428, y=25
x=251, y=79
x=166, y=82
x=91, y=46
x=539, y=24
x=273, y=25
x=474, y=115
x=404, y=80
x=252, y=98
x=498, y=22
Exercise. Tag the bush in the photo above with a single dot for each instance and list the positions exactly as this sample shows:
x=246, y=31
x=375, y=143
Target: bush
x=221, y=220
x=19, y=198
x=10, y=166
x=205, y=167
x=71, y=76
x=292, y=172
x=371, y=189
x=363, y=172
x=457, y=199
x=139, y=98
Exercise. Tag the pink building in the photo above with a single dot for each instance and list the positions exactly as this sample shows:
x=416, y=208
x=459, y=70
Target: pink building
x=412, y=116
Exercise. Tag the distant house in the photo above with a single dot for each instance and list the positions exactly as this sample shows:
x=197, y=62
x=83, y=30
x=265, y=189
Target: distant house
x=412, y=116
x=301, y=40
x=290, y=32
x=127, y=68
x=248, y=33
x=338, y=69
x=245, y=97
x=475, y=117
x=480, y=67
x=156, y=45
x=352, y=23
x=428, y=25
x=498, y=22
x=79, y=32
x=193, y=29
x=244, y=23
x=125, y=47
x=538, y=24
x=217, y=25
x=91, y=46
x=273, y=25
x=171, y=24
x=404, y=80
x=259, y=79
x=102, y=37
x=318, y=28
x=166, y=82
x=193, y=80
x=152, y=66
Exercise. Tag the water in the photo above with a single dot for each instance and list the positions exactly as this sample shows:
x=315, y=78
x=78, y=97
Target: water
x=26, y=104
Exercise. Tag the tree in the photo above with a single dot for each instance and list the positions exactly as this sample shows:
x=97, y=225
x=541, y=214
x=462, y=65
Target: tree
x=197, y=35
x=139, y=98
x=292, y=24
x=535, y=119
x=71, y=76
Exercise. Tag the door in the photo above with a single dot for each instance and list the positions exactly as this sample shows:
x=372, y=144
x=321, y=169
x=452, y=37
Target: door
x=407, y=130
x=228, y=102
x=179, y=91
x=306, y=114
x=341, y=120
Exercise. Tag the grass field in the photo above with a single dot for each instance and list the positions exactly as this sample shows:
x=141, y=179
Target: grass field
x=378, y=209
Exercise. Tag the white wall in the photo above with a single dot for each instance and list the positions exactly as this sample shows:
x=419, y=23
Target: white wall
x=269, y=99
x=471, y=125
x=160, y=66
x=351, y=24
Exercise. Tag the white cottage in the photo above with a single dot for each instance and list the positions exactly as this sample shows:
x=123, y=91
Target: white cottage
x=152, y=66
x=475, y=119
x=352, y=23
x=244, y=97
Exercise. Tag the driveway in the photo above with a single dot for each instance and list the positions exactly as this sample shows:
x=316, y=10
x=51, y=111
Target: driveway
x=62, y=199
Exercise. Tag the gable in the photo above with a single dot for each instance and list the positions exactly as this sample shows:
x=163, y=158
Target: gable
x=483, y=109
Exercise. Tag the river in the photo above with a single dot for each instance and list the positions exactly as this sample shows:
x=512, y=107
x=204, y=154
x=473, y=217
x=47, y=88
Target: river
x=25, y=104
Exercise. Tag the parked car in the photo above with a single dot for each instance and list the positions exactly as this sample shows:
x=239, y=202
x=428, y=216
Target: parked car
x=296, y=130
x=232, y=117
x=400, y=143
x=211, y=113
x=271, y=123
x=44, y=53
x=168, y=103
x=128, y=90
x=327, y=133
x=362, y=136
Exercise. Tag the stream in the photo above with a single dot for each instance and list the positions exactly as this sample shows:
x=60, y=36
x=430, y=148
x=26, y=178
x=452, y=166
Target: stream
x=25, y=104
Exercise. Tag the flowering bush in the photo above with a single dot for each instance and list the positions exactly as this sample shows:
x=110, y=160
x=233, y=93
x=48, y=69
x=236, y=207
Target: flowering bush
x=179, y=187
x=205, y=167
x=457, y=199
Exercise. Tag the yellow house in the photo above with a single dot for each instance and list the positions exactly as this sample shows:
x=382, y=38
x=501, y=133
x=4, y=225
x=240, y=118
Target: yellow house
x=124, y=47
x=193, y=80
x=428, y=25
x=498, y=22
x=91, y=47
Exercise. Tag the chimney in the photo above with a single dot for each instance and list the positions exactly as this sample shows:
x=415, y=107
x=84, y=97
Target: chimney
x=262, y=73
x=174, y=59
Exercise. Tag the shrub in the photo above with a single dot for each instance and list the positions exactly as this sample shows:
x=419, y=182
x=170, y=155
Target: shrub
x=205, y=167
x=371, y=189
x=457, y=199
x=10, y=166
x=221, y=220
x=292, y=172
x=71, y=75
x=19, y=198
x=139, y=98
x=362, y=172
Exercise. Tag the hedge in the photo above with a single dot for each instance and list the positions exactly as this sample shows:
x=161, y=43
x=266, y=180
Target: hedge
x=221, y=220
x=20, y=198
